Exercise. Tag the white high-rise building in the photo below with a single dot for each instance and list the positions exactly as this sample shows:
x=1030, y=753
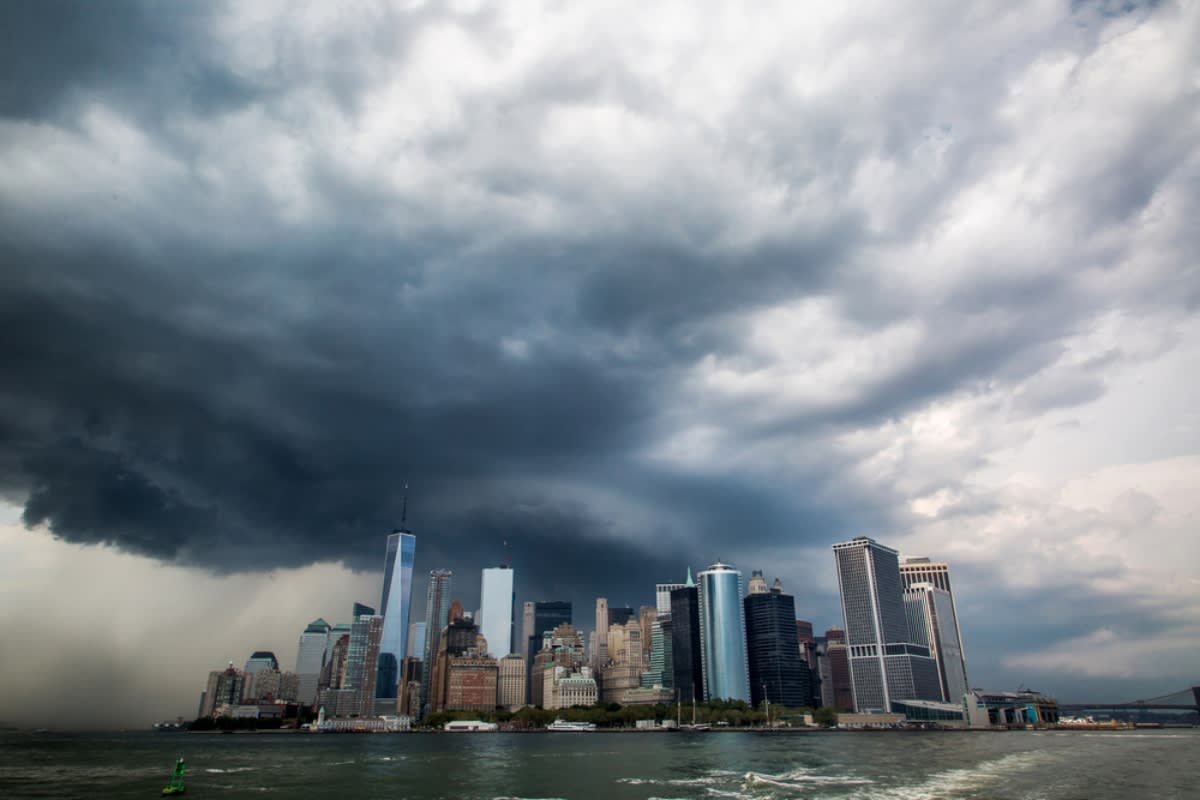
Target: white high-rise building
x=886, y=665
x=495, y=616
x=662, y=598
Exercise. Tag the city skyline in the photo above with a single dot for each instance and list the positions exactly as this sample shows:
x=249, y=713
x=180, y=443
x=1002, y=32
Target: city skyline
x=618, y=292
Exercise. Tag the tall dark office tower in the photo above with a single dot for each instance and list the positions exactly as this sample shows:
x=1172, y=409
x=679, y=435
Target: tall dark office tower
x=885, y=663
x=545, y=616
x=396, y=605
x=437, y=604
x=686, y=671
x=776, y=670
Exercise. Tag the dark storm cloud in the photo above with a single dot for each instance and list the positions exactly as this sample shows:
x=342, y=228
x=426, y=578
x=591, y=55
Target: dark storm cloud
x=59, y=53
x=194, y=374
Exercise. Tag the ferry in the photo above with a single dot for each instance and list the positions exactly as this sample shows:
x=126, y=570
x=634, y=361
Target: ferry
x=469, y=726
x=564, y=726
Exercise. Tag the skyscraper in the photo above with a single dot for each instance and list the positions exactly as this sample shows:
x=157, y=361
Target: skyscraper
x=932, y=622
x=758, y=584
x=885, y=663
x=948, y=645
x=725, y=669
x=416, y=640
x=527, y=623
x=562, y=646
x=662, y=598
x=360, y=674
x=544, y=616
x=497, y=599
x=600, y=650
x=310, y=657
x=437, y=597
x=259, y=661
x=687, y=674
x=834, y=666
x=777, y=672
x=458, y=639
x=396, y=605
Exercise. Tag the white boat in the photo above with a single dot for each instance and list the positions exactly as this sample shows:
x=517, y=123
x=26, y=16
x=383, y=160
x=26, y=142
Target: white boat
x=469, y=726
x=570, y=727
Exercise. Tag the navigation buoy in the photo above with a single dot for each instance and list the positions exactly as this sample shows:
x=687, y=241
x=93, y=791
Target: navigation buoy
x=175, y=786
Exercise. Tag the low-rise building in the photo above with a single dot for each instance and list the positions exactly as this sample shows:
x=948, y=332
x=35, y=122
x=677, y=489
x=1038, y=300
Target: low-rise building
x=564, y=689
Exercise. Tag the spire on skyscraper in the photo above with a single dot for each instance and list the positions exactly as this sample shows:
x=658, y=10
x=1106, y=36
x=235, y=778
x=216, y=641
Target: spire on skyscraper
x=689, y=582
x=404, y=513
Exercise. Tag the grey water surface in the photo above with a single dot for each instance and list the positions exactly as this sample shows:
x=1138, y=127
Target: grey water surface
x=1018, y=765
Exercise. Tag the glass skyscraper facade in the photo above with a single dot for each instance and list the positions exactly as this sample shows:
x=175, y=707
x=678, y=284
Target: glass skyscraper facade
x=310, y=657
x=687, y=676
x=725, y=671
x=496, y=602
x=396, y=604
x=885, y=663
x=777, y=672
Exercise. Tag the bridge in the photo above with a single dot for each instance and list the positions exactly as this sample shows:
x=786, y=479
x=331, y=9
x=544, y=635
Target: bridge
x=1183, y=700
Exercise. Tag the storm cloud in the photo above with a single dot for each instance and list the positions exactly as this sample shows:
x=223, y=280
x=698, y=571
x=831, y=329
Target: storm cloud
x=627, y=290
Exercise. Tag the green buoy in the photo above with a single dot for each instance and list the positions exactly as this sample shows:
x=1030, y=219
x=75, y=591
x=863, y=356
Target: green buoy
x=175, y=786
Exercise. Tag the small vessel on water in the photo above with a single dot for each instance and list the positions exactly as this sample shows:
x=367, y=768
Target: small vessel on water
x=563, y=726
x=175, y=785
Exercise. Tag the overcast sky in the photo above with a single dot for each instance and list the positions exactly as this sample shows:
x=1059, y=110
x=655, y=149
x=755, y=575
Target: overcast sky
x=631, y=288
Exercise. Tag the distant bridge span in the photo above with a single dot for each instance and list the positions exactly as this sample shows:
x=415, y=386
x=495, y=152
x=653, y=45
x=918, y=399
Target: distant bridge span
x=1176, y=701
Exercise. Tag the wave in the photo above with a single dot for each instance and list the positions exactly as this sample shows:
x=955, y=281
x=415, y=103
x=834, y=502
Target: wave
x=954, y=781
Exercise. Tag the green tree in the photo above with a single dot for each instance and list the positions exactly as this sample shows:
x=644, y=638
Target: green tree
x=826, y=716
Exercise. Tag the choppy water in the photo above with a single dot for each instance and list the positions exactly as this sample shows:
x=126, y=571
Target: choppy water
x=857, y=766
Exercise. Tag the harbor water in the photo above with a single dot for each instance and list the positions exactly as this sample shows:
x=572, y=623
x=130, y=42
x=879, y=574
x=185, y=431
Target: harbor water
x=1024, y=765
